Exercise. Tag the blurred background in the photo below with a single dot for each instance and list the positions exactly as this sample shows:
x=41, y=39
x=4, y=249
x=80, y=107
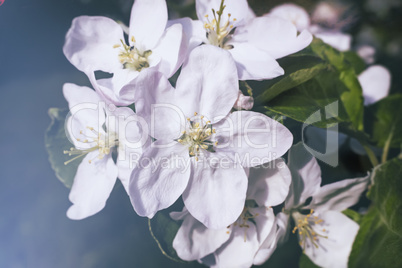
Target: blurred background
x=34, y=230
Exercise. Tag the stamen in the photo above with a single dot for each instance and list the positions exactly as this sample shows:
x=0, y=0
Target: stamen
x=305, y=229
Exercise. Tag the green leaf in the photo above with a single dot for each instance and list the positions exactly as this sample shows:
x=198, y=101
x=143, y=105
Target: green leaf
x=355, y=61
x=333, y=95
x=163, y=230
x=386, y=193
x=297, y=71
x=386, y=116
x=375, y=245
x=305, y=262
x=353, y=215
x=56, y=142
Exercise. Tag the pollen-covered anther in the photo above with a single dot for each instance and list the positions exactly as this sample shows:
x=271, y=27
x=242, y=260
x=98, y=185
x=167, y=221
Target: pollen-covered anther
x=102, y=143
x=197, y=136
x=133, y=58
x=304, y=227
x=218, y=30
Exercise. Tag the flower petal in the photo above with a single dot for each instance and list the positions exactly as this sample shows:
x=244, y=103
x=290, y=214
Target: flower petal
x=252, y=138
x=86, y=110
x=215, y=195
x=375, y=82
x=240, y=249
x=194, y=31
x=89, y=44
x=269, y=184
x=208, y=83
x=339, y=195
x=155, y=100
x=238, y=9
x=161, y=178
x=92, y=186
x=253, y=63
x=338, y=40
x=172, y=49
x=277, y=234
x=147, y=22
x=333, y=252
x=277, y=36
x=293, y=13
x=306, y=176
x=194, y=241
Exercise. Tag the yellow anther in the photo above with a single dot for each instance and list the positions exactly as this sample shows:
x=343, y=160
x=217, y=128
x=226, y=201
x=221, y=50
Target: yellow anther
x=196, y=158
x=132, y=39
x=206, y=16
x=227, y=232
x=116, y=46
x=195, y=113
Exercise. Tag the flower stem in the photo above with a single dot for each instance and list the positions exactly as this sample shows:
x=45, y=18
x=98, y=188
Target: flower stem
x=371, y=155
x=386, y=146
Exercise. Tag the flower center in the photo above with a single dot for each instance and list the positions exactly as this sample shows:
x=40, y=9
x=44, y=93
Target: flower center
x=133, y=58
x=219, y=31
x=103, y=143
x=197, y=136
x=304, y=226
x=246, y=217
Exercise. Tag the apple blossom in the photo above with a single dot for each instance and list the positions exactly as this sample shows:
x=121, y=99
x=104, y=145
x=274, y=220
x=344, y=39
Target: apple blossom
x=325, y=234
x=92, y=128
x=98, y=44
x=238, y=244
x=203, y=145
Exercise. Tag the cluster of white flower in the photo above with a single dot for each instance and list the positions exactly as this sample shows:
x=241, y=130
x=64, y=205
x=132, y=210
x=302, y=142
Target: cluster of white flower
x=198, y=139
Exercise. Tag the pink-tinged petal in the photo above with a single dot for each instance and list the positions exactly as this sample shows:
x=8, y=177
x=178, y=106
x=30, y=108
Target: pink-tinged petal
x=238, y=9
x=208, y=83
x=334, y=251
x=92, y=186
x=269, y=184
x=338, y=40
x=277, y=36
x=132, y=141
x=251, y=138
x=240, y=249
x=306, y=176
x=147, y=22
x=339, y=195
x=155, y=102
x=376, y=83
x=253, y=63
x=243, y=102
x=90, y=44
x=277, y=234
x=172, y=49
x=160, y=179
x=293, y=13
x=86, y=110
x=194, y=241
x=215, y=195
x=194, y=31
x=109, y=88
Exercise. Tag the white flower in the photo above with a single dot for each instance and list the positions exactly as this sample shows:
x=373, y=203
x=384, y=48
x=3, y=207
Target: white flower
x=238, y=244
x=92, y=129
x=375, y=82
x=325, y=234
x=98, y=44
x=199, y=143
x=254, y=43
x=300, y=18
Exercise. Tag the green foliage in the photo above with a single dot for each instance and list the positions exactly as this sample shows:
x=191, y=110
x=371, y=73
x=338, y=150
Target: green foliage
x=297, y=71
x=375, y=245
x=386, y=193
x=386, y=119
x=163, y=230
x=305, y=262
x=323, y=90
x=56, y=142
x=353, y=215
